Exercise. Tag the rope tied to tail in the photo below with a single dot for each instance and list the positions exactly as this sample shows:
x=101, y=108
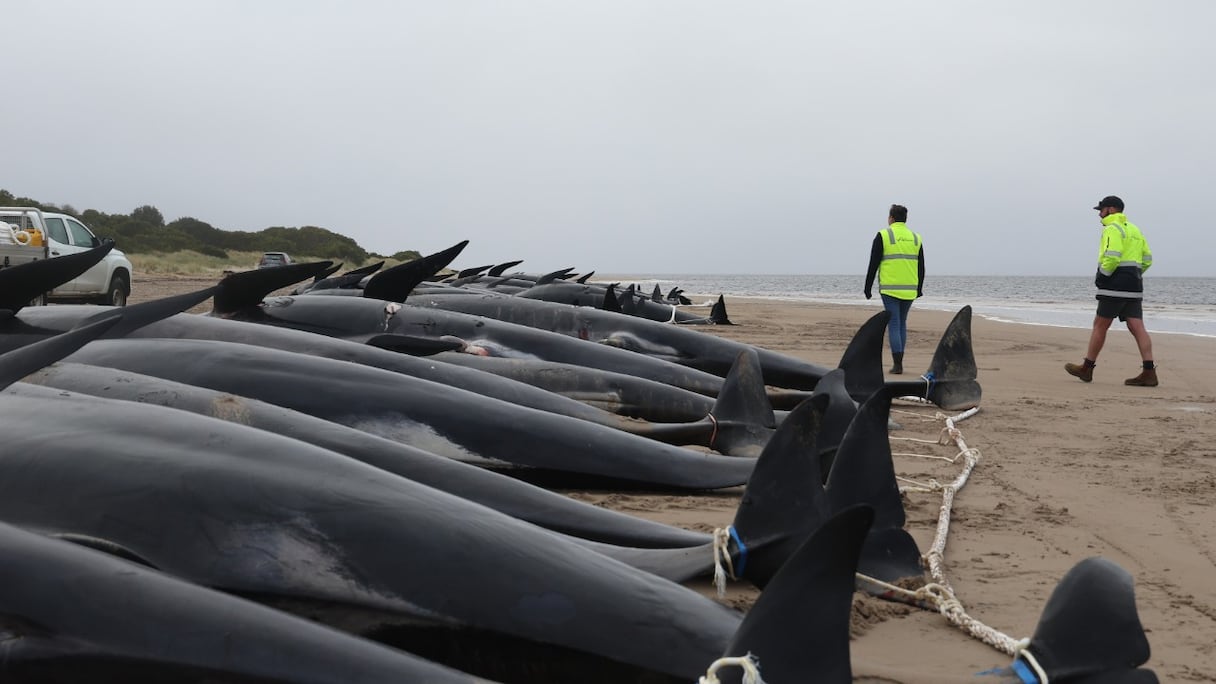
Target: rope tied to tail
x=724, y=565
x=749, y=663
x=1026, y=665
x=930, y=381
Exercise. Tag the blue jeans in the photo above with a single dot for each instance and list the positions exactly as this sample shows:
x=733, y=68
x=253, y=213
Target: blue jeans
x=897, y=327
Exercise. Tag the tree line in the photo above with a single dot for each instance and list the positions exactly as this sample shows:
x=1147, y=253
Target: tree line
x=144, y=231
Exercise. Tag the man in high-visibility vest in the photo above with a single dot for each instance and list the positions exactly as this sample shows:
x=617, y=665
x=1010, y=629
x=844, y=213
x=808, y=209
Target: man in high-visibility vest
x=897, y=257
x=1123, y=257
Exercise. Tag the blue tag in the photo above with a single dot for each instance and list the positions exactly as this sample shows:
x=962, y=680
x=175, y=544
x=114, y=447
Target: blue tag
x=1024, y=673
x=742, y=550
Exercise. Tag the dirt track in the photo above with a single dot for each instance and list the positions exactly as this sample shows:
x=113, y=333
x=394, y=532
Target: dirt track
x=154, y=287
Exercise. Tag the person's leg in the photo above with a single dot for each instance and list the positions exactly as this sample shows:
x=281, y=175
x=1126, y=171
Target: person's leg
x=1145, y=343
x=905, y=305
x=1097, y=338
x=1148, y=372
x=1133, y=314
x=895, y=325
x=896, y=331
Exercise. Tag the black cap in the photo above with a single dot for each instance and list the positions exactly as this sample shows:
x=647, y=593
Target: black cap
x=1110, y=201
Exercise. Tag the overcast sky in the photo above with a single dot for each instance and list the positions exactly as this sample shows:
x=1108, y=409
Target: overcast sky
x=631, y=136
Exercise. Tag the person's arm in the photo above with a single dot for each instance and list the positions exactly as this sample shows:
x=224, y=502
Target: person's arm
x=875, y=260
x=920, y=272
x=1111, y=252
x=1146, y=260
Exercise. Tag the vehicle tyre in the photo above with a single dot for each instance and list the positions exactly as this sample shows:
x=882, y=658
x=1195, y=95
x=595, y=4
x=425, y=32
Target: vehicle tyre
x=116, y=294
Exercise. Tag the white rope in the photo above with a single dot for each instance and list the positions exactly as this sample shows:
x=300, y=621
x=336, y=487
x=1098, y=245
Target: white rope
x=10, y=235
x=927, y=457
x=916, y=400
x=934, y=558
x=722, y=557
x=913, y=486
x=1023, y=651
x=916, y=414
x=751, y=669
x=938, y=593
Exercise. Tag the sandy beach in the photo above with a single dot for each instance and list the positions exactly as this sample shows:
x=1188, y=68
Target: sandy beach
x=1067, y=470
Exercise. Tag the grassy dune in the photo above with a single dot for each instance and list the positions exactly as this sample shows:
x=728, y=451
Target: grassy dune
x=189, y=263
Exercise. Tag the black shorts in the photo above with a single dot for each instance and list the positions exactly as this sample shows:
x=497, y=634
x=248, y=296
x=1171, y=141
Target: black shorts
x=1110, y=307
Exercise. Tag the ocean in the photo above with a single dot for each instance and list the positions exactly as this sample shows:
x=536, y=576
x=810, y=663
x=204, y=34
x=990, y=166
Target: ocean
x=1171, y=305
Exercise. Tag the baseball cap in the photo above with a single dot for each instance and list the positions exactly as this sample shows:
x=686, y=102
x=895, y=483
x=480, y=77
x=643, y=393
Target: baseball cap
x=1110, y=201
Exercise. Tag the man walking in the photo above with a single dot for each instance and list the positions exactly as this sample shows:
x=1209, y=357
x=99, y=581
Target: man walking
x=897, y=257
x=1123, y=257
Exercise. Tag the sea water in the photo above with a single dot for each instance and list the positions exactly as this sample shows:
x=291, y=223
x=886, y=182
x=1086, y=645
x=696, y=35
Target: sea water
x=1171, y=305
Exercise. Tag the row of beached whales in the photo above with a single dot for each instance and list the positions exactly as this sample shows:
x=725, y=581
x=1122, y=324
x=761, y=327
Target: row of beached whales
x=312, y=488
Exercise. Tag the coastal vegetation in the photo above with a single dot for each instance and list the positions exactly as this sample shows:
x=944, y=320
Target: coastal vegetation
x=191, y=245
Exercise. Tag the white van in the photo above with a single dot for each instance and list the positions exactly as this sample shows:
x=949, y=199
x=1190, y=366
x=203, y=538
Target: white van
x=28, y=234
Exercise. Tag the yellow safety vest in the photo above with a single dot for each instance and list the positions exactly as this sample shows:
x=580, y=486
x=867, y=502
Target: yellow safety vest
x=899, y=272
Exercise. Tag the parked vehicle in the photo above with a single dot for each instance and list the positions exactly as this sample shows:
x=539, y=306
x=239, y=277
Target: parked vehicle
x=28, y=234
x=272, y=259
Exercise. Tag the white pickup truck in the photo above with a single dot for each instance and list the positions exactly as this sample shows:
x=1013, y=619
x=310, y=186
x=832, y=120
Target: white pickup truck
x=28, y=234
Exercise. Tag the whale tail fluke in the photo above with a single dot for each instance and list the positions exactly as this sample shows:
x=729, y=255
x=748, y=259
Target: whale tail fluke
x=1089, y=631
x=951, y=380
x=396, y=283
x=717, y=313
x=742, y=415
x=799, y=626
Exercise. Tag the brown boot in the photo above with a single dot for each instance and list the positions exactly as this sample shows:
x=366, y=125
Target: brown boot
x=1147, y=378
x=1086, y=373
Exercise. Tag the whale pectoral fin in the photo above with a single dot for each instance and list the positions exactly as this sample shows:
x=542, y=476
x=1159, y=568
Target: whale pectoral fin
x=20, y=284
x=20, y=362
x=137, y=316
x=414, y=346
x=105, y=546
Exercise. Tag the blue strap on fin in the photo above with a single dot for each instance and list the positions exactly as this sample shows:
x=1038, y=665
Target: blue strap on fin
x=930, y=381
x=742, y=551
x=1024, y=673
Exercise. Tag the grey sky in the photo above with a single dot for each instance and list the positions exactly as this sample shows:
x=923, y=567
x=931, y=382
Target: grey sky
x=692, y=136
